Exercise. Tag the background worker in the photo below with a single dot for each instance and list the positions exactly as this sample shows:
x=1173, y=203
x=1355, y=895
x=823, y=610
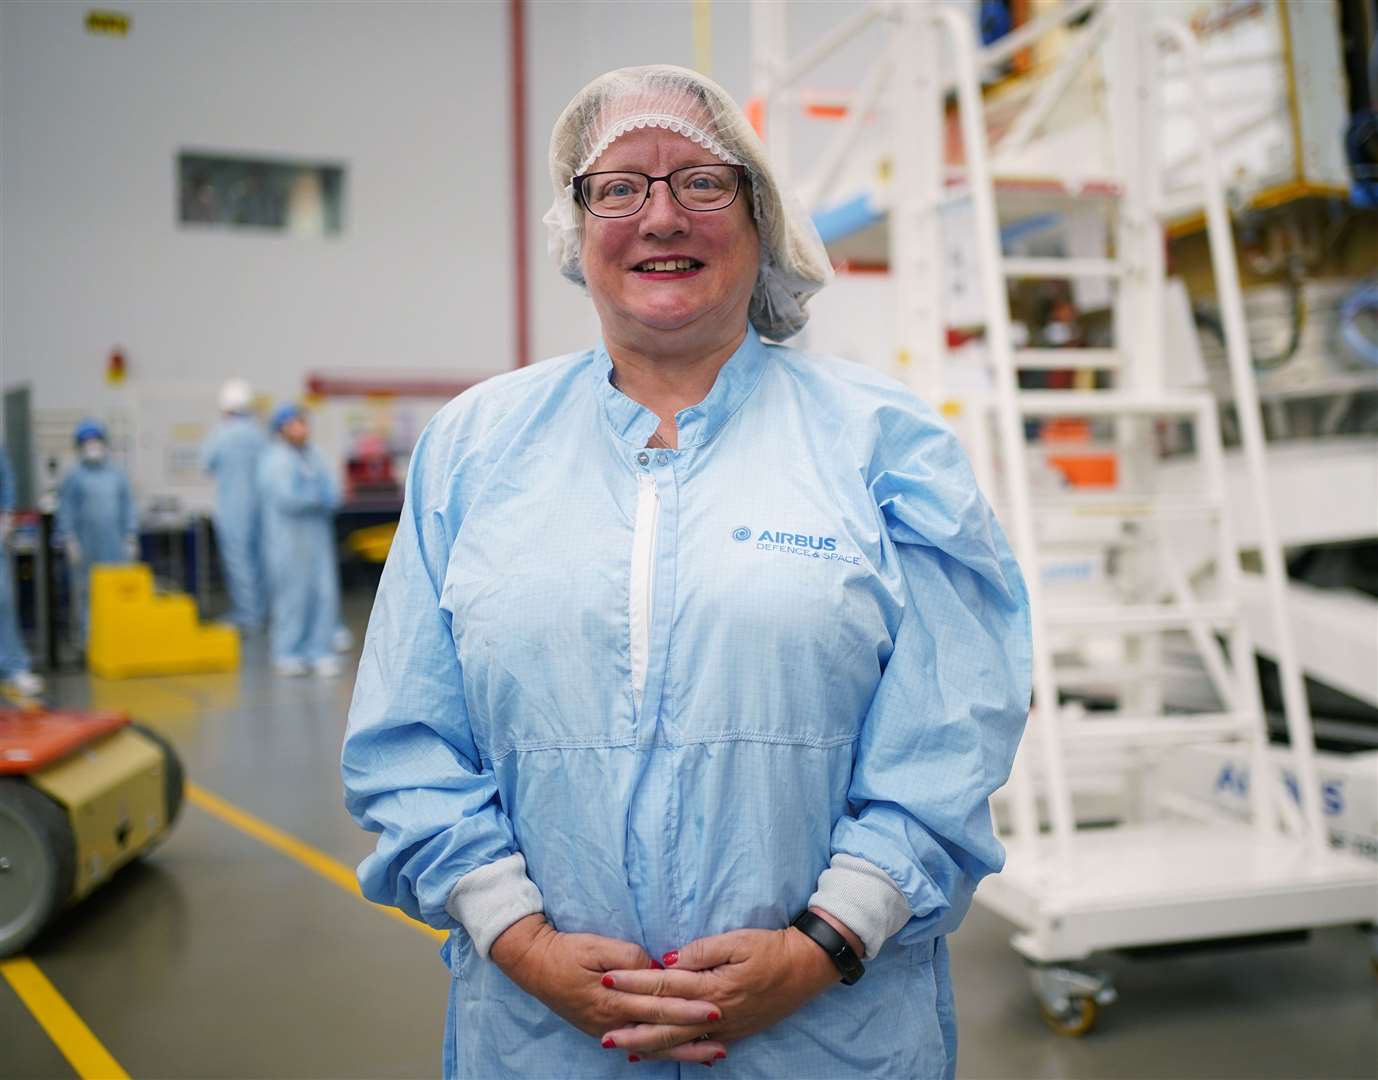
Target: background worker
x=95, y=518
x=231, y=453
x=14, y=658
x=299, y=498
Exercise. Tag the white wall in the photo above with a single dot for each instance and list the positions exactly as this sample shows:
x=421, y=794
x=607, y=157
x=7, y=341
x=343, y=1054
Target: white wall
x=410, y=96
x=413, y=98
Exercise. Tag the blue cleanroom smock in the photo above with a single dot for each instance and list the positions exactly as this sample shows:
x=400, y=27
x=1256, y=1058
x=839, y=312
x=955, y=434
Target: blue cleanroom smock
x=14, y=658
x=230, y=453
x=678, y=682
x=299, y=500
x=96, y=509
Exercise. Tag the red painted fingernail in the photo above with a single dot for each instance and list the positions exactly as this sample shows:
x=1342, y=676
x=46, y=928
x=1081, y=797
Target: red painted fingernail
x=608, y=1044
x=609, y=982
x=671, y=958
x=656, y=965
x=720, y=1055
x=632, y=1057
x=715, y=1015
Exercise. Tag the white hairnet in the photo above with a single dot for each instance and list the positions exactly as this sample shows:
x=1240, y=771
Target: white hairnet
x=236, y=396
x=794, y=264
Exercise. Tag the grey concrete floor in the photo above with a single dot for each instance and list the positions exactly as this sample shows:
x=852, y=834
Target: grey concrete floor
x=218, y=956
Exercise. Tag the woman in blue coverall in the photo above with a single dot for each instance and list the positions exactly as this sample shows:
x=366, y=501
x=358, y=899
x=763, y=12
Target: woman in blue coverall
x=96, y=519
x=696, y=658
x=299, y=497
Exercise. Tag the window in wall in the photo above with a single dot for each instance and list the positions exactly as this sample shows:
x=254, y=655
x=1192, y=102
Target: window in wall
x=301, y=198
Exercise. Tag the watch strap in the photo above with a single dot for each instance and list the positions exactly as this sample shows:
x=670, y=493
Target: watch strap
x=832, y=943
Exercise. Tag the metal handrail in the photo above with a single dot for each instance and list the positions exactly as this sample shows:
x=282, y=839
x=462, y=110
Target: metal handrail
x=1001, y=347
x=1225, y=268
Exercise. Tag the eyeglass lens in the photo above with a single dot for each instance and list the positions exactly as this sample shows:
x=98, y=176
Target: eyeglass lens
x=695, y=187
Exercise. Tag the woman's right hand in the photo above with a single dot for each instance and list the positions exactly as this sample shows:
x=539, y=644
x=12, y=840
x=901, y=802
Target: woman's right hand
x=563, y=971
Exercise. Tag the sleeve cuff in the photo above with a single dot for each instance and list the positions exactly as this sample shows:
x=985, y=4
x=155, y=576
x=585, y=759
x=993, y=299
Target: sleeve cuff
x=863, y=898
x=488, y=900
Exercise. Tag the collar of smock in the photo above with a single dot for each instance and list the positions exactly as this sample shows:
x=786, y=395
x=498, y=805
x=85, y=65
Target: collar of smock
x=696, y=424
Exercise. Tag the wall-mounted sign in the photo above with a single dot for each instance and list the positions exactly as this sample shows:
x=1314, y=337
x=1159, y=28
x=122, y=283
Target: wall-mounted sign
x=109, y=23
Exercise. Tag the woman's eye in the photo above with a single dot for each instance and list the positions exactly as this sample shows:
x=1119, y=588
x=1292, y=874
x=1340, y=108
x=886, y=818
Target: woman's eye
x=618, y=189
x=703, y=183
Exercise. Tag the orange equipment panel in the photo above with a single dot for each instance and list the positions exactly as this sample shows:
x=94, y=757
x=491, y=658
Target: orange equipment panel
x=30, y=739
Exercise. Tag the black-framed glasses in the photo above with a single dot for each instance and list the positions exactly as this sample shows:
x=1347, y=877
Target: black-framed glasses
x=701, y=188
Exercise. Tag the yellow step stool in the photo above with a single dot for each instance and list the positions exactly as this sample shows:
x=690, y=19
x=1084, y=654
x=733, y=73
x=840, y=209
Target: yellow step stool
x=372, y=543
x=135, y=632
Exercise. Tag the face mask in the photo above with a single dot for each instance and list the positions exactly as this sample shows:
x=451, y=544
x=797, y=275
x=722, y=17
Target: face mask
x=1059, y=333
x=93, y=450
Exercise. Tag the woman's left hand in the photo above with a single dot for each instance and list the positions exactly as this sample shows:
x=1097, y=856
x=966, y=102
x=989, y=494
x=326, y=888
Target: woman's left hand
x=756, y=977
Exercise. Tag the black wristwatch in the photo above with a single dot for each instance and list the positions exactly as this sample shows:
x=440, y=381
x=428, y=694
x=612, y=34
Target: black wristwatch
x=832, y=943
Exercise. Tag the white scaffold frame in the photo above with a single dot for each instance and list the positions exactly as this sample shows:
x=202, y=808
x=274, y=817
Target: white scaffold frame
x=1184, y=872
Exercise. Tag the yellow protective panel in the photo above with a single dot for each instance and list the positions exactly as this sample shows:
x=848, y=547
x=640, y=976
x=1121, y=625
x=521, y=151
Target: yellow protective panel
x=114, y=793
x=135, y=632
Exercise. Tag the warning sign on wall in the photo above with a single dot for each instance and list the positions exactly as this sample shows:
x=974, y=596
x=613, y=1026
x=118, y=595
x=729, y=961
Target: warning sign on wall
x=109, y=23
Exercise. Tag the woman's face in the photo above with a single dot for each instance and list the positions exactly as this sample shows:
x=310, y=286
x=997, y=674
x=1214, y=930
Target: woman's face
x=642, y=307
x=296, y=431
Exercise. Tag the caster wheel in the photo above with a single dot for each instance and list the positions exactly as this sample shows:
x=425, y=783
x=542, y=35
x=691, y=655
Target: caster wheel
x=1077, y=1020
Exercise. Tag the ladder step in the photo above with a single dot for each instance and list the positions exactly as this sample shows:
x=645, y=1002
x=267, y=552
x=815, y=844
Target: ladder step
x=1108, y=403
x=1081, y=676
x=1143, y=616
x=1059, y=269
x=1057, y=359
x=1176, y=728
x=1127, y=507
x=1105, y=186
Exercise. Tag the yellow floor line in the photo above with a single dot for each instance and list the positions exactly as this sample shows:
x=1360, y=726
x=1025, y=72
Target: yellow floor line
x=332, y=870
x=70, y=1035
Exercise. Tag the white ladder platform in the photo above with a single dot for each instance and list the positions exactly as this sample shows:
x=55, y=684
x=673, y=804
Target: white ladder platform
x=1109, y=403
x=1171, y=882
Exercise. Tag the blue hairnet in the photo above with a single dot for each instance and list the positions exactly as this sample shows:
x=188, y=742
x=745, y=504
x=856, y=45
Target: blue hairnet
x=89, y=429
x=288, y=411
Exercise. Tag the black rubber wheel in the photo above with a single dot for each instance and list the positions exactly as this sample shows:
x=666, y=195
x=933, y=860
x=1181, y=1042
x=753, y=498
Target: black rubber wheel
x=38, y=863
x=174, y=779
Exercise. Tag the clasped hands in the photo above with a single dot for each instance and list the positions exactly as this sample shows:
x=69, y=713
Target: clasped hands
x=707, y=994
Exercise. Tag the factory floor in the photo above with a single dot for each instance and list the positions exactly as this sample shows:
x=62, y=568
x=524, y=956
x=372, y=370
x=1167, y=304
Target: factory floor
x=237, y=949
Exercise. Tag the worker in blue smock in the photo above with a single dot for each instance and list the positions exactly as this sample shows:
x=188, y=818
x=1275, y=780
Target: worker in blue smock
x=96, y=520
x=691, y=650
x=230, y=453
x=299, y=498
x=14, y=657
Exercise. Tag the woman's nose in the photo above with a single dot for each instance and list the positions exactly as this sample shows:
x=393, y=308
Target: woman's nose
x=662, y=215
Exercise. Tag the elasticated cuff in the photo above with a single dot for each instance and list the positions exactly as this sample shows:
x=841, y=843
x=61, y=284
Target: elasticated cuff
x=488, y=900
x=863, y=898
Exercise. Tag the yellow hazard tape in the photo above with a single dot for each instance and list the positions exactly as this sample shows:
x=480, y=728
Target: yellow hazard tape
x=69, y=1033
x=332, y=870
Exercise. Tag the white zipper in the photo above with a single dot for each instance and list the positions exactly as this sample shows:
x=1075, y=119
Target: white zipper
x=642, y=579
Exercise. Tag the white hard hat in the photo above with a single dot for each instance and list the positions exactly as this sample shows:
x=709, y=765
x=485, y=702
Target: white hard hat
x=236, y=396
